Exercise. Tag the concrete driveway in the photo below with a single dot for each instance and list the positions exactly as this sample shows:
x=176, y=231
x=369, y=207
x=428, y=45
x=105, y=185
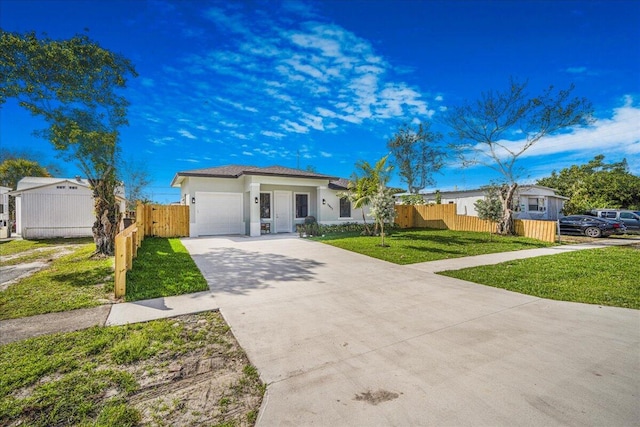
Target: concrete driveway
x=346, y=340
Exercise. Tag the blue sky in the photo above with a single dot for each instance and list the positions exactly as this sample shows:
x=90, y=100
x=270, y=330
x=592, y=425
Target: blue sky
x=327, y=83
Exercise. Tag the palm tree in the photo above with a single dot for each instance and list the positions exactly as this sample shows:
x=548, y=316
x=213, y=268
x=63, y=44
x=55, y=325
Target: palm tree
x=364, y=184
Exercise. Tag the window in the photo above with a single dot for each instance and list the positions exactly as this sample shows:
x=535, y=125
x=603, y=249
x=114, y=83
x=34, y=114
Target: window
x=628, y=215
x=73, y=187
x=302, y=205
x=536, y=204
x=607, y=214
x=60, y=187
x=345, y=208
x=265, y=205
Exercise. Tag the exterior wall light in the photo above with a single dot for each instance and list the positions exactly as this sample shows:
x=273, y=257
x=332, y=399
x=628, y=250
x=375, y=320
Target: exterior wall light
x=324, y=202
x=256, y=201
x=193, y=200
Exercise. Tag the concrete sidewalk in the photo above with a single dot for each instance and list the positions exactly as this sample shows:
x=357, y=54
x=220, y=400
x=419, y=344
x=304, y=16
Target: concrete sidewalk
x=161, y=308
x=67, y=321
x=490, y=259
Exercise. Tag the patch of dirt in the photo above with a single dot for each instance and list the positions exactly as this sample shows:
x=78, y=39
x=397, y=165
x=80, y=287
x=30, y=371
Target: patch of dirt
x=376, y=397
x=11, y=274
x=205, y=385
x=201, y=379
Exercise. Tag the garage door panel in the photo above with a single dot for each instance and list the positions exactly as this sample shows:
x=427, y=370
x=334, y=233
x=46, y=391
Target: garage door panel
x=219, y=213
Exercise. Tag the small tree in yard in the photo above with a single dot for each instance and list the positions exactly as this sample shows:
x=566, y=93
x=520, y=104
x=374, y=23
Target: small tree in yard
x=365, y=183
x=485, y=130
x=383, y=209
x=490, y=208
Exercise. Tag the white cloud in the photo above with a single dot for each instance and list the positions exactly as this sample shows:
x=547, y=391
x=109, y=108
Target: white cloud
x=272, y=134
x=438, y=98
x=189, y=160
x=186, y=134
x=325, y=154
x=247, y=153
x=290, y=126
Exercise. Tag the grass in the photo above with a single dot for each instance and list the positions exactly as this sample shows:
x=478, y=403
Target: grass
x=421, y=245
x=162, y=268
x=597, y=276
x=92, y=377
x=11, y=247
x=70, y=282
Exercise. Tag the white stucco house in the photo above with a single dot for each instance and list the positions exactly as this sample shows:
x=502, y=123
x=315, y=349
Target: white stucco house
x=533, y=202
x=56, y=207
x=251, y=200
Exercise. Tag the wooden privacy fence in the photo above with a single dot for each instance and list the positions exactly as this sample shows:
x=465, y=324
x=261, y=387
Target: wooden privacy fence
x=163, y=220
x=151, y=220
x=445, y=217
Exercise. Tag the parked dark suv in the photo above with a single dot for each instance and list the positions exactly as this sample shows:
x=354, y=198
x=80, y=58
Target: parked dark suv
x=631, y=219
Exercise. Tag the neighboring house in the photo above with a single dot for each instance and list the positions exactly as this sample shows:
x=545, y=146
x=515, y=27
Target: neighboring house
x=532, y=202
x=252, y=200
x=55, y=207
x=4, y=206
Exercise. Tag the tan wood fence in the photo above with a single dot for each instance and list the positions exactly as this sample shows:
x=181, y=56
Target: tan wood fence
x=164, y=220
x=151, y=220
x=445, y=217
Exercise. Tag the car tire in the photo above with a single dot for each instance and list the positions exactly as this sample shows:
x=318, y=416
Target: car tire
x=593, y=232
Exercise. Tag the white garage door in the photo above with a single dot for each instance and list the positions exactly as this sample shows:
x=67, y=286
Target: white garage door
x=219, y=213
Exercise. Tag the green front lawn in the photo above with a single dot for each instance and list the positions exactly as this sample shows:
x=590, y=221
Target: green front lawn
x=420, y=245
x=597, y=276
x=163, y=268
x=70, y=282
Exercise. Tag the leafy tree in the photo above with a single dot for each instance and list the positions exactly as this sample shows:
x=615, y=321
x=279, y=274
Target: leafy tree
x=73, y=86
x=364, y=184
x=383, y=208
x=415, y=155
x=596, y=184
x=412, y=199
x=485, y=129
x=52, y=167
x=13, y=170
x=490, y=208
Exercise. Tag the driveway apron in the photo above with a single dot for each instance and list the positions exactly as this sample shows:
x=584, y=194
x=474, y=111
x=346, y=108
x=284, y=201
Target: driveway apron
x=346, y=340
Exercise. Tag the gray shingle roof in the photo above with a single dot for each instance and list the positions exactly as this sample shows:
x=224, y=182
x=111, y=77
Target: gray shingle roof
x=234, y=171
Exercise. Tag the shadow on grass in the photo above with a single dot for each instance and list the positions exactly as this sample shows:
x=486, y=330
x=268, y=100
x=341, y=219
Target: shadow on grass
x=85, y=277
x=236, y=271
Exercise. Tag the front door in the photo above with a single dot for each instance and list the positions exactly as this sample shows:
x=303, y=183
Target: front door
x=282, y=211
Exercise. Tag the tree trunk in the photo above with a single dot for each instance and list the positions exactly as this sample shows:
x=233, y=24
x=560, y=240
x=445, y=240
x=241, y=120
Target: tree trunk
x=105, y=226
x=505, y=225
x=366, y=226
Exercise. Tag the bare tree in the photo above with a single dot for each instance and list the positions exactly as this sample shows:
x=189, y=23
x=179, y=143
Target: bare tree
x=486, y=127
x=416, y=155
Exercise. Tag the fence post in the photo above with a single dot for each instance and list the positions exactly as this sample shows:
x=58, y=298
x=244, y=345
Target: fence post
x=129, y=250
x=120, y=267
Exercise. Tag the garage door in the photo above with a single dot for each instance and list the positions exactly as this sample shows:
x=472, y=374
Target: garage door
x=219, y=213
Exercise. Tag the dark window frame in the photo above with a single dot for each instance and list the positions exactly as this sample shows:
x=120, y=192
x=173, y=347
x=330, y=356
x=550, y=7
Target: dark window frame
x=345, y=207
x=301, y=207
